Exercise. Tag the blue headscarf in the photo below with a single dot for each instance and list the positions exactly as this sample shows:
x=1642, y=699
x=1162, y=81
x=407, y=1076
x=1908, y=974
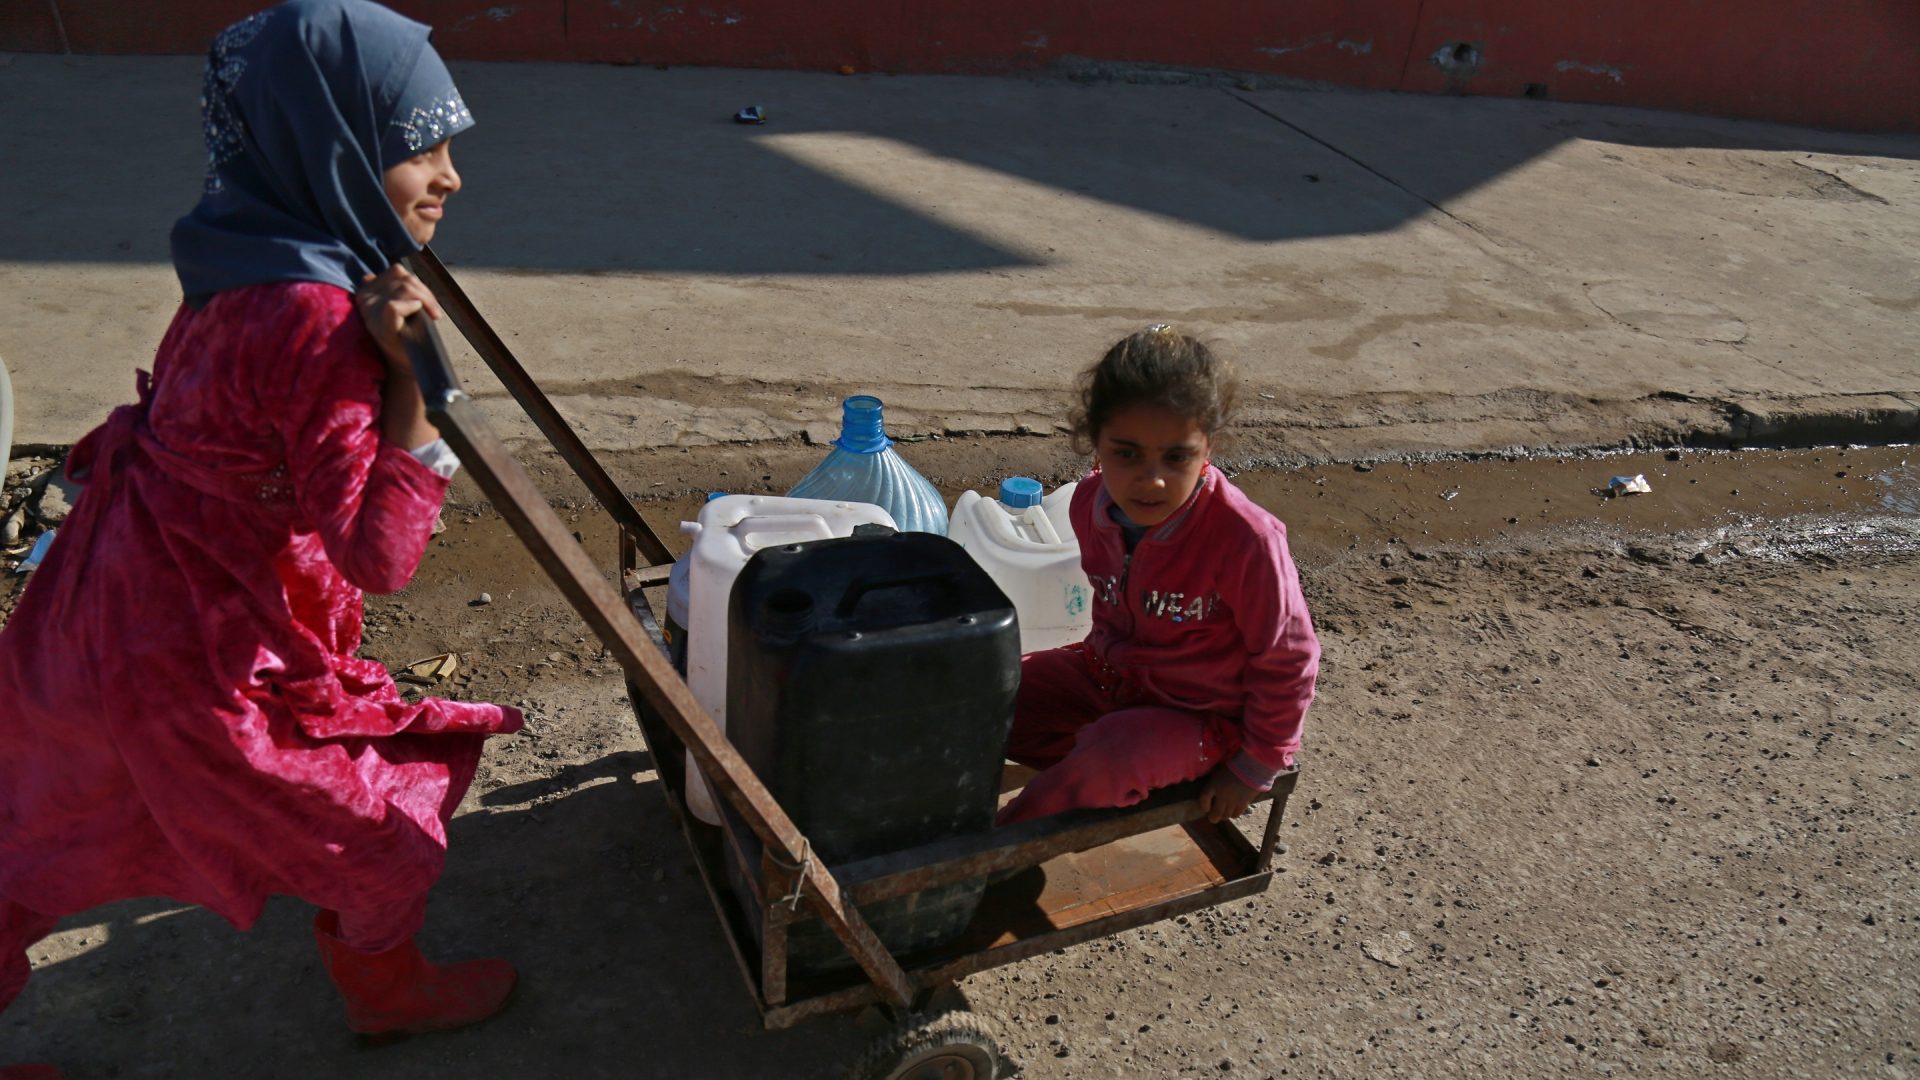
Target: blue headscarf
x=305, y=105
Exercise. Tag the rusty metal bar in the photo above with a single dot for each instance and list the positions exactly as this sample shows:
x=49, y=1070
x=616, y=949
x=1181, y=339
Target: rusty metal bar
x=1264, y=861
x=629, y=553
x=773, y=934
x=1024, y=844
x=517, y=499
x=780, y=1017
x=427, y=267
x=646, y=577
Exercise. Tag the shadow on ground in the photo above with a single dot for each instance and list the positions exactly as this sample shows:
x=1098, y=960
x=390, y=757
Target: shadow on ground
x=605, y=169
x=584, y=883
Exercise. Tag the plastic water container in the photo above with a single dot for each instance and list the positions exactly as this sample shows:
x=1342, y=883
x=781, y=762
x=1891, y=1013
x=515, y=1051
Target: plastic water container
x=677, y=617
x=729, y=531
x=677, y=584
x=864, y=467
x=1026, y=544
x=871, y=686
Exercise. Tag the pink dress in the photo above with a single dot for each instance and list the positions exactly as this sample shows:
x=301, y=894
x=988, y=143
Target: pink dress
x=181, y=710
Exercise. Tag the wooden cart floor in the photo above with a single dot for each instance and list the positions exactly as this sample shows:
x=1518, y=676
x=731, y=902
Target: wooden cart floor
x=1126, y=875
x=1138, y=879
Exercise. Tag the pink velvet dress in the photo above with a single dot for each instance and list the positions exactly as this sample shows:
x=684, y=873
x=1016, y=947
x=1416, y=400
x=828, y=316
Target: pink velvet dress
x=181, y=710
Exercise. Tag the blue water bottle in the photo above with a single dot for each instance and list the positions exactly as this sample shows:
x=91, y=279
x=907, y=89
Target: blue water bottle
x=864, y=468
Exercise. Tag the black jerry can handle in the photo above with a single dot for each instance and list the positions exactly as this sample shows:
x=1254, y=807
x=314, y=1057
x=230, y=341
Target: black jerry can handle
x=861, y=588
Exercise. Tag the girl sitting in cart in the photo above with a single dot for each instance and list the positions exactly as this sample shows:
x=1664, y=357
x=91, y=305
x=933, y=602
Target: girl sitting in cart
x=184, y=715
x=1202, y=657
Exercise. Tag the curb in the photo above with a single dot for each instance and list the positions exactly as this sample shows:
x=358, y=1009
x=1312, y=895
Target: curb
x=1806, y=422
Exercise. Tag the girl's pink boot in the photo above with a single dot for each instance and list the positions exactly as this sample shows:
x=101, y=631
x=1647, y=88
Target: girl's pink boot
x=399, y=992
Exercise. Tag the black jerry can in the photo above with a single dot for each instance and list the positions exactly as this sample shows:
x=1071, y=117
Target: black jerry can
x=870, y=685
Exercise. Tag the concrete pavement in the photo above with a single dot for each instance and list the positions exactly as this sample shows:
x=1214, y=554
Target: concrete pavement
x=1393, y=273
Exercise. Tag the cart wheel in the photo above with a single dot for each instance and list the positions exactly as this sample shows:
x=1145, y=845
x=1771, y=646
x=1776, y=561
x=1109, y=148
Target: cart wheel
x=950, y=1046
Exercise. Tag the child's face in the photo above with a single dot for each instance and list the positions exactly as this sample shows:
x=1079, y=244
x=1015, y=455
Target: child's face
x=1151, y=459
x=418, y=188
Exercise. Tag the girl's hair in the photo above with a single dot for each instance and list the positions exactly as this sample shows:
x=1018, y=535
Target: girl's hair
x=1156, y=366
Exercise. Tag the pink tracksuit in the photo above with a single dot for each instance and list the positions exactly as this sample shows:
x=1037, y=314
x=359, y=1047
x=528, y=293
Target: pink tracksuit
x=1201, y=652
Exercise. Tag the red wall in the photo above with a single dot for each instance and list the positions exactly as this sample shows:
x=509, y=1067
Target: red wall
x=1834, y=63
x=1828, y=63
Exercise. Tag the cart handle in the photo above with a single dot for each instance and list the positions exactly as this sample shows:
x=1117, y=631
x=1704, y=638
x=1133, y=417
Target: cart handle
x=466, y=317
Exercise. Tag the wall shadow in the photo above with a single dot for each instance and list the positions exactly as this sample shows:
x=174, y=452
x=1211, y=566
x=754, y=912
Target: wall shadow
x=580, y=168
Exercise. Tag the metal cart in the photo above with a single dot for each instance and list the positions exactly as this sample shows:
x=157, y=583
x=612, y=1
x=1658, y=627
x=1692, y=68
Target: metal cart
x=1100, y=871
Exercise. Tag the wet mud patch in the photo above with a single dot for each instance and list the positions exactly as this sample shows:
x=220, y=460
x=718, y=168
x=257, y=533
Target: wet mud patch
x=1494, y=502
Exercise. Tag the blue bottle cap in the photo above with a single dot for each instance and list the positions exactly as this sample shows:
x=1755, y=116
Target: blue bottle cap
x=861, y=430
x=712, y=495
x=1019, y=492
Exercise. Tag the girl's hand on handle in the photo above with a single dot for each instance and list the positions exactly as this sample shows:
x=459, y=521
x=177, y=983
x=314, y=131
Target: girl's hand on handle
x=385, y=300
x=1225, y=796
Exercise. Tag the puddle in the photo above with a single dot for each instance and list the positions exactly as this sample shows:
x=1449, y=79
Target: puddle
x=1504, y=502
x=1836, y=494
x=1706, y=506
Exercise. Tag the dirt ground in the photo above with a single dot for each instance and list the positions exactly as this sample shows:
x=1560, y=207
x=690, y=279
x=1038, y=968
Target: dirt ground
x=1597, y=795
